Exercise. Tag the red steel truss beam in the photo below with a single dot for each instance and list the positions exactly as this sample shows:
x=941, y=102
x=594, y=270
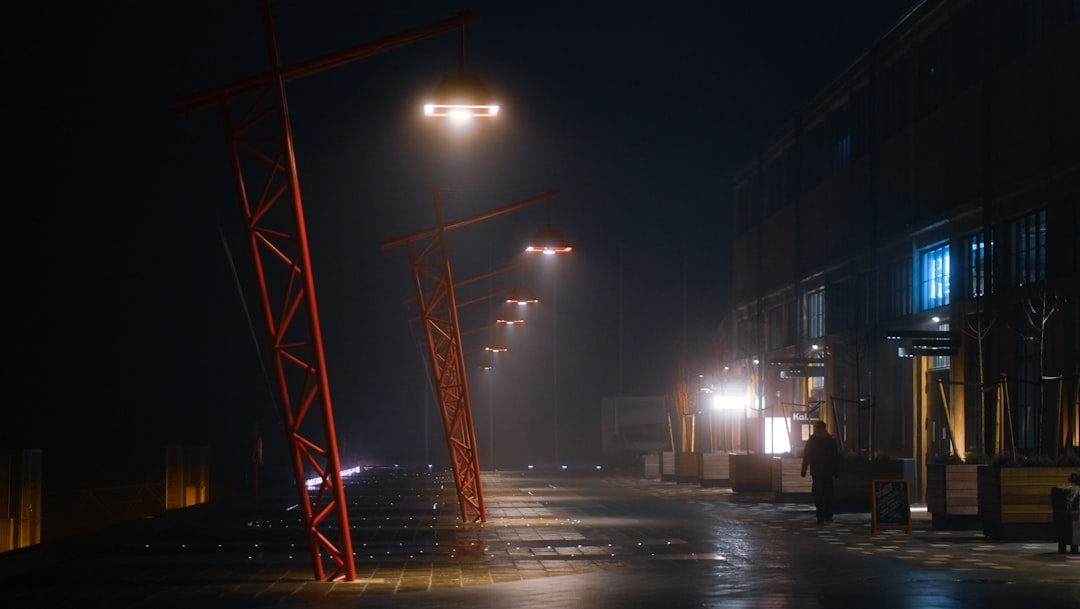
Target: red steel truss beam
x=430, y=262
x=263, y=163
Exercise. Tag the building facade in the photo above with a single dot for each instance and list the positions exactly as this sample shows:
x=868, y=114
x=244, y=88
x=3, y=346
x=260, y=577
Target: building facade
x=906, y=260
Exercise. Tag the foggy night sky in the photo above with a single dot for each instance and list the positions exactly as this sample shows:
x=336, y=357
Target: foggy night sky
x=126, y=331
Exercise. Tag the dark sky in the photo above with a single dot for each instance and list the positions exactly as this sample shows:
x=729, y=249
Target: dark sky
x=127, y=329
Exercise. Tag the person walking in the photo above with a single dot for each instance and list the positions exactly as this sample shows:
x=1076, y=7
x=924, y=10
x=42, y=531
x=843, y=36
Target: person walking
x=823, y=459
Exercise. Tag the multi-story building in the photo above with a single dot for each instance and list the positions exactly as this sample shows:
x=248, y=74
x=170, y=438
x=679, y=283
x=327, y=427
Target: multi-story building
x=926, y=203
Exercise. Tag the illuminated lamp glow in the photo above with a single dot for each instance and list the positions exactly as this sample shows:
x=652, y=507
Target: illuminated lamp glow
x=729, y=402
x=461, y=95
x=549, y=241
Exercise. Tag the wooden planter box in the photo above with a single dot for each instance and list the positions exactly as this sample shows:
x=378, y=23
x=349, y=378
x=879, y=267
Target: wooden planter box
x=687, y=467
x=651, y=462
x=667, y=466
x=788, y=482
x=1014, y=502
x=1066, y=505
x=952, y=495
x=751, y=473
x=715, y=469
x=854, y=489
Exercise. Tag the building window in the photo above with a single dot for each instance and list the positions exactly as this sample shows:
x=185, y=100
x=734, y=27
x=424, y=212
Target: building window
x=935, y=277
x=898, y=291
x=975, y=266
x=931, y=81
x=746, y=207
x=776, y=187
x=838, y=147
x=894, y=102
x=845, y=304
x=815, y=155
x=815, y=313
x=860, y=122
x=966, y=48
x=939, y=362
x=774, y=323
x=1027, y=249
x=1019, y=25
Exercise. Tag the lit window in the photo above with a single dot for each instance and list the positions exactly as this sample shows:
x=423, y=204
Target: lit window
x=815, y=311
x=975, y=265
x=938, y=362
x=935, y=277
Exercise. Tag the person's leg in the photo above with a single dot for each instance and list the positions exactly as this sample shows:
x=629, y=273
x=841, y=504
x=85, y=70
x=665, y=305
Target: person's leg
x=817, y=489
x=828, y=489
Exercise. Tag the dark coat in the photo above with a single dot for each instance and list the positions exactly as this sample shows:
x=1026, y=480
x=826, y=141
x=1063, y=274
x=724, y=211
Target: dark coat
x=821, y=456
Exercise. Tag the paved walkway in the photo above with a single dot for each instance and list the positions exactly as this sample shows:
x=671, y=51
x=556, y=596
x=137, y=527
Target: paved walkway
x=552, y=539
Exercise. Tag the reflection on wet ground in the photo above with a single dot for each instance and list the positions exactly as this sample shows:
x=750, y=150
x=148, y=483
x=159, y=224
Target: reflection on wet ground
x=552, y=540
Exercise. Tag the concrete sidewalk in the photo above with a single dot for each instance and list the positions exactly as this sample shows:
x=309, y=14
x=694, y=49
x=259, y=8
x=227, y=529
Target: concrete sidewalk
x=553, y=539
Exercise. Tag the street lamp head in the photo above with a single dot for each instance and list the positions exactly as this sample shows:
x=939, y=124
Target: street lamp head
x=549, y=240
x=461, y=96
x=522, y=296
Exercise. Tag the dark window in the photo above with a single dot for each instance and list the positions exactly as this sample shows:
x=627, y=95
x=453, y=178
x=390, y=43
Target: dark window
x=839, y=307
x=838, y=145
x=860, y=122
x=746, y=206
x=898, y=289
x=894, y=98
x=774, y=321
x=815, y=155
x=932, y=72
x=1018, y=26
x=966, y=48
x=774, y=187
x=1027, y=249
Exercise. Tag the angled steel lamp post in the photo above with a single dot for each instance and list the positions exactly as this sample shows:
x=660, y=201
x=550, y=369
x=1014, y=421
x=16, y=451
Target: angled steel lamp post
x=259, y=137
x=430, y=262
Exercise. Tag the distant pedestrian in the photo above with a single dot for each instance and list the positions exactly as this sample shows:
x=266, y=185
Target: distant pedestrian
x=823, y=459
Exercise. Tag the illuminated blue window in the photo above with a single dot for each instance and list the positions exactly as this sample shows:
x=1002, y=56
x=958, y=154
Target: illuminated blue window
x=935, y=277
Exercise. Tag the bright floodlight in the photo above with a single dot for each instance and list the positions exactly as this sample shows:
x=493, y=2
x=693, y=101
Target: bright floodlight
x=728, y=402
x=461, y=96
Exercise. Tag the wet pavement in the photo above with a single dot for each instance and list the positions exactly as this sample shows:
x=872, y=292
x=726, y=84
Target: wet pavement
x=553, y=539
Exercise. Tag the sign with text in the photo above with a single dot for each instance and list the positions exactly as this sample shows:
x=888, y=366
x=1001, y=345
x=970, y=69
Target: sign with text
x=891, y=506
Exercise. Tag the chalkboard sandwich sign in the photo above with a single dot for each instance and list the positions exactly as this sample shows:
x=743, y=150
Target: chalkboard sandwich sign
x=891, y=508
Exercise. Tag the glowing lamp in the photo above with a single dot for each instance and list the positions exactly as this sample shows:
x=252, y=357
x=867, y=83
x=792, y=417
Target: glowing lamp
x=461, y=96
